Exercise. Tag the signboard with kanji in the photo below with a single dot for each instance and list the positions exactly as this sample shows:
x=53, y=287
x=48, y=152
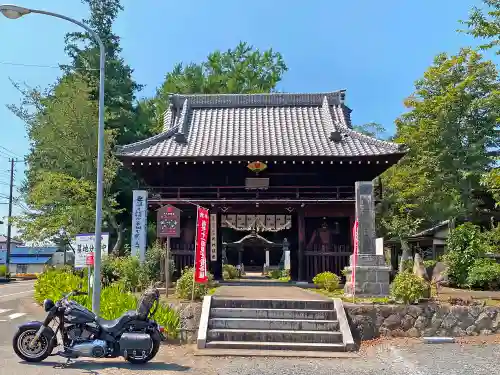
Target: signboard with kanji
x=84, y=246
x=139, y=223
x=168, y=222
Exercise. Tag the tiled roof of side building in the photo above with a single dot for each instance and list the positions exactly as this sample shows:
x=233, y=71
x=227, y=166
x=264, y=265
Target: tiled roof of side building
x=274, y=125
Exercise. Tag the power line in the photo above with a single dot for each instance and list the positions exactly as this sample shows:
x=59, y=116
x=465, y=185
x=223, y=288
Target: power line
x=12, y=152
x=41, y=66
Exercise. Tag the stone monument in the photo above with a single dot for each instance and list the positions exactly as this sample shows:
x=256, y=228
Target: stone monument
x=371, y=273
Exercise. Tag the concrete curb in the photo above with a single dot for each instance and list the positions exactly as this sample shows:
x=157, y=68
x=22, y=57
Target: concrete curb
x=345, y=329
x=201, y=342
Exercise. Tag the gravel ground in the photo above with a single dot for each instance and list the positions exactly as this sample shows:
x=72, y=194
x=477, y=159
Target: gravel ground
x=477, y=356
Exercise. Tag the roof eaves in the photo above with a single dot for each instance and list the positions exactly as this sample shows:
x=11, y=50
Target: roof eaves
x=125, y=150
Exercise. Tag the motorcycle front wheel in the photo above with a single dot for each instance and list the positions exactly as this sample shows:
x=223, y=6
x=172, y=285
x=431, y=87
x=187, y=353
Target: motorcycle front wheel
x=36, y=353
x=139, y=360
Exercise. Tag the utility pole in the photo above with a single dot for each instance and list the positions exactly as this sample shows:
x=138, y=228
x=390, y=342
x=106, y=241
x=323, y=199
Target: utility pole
x=9, y=223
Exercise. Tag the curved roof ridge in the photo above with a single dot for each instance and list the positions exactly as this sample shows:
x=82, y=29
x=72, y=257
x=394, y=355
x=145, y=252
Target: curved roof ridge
x=148, y=141
x=259, y=100
x=375, y=141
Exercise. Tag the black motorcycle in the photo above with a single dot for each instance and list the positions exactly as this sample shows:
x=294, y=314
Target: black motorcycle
x=134, y=335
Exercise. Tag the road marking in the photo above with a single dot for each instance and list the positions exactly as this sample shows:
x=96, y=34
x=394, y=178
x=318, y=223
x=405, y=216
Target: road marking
x=16, y=315
x=4, y=310
x=15, y=294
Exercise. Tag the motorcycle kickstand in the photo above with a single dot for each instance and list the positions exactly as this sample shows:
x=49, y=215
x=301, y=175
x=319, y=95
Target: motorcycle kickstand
x=64, y=365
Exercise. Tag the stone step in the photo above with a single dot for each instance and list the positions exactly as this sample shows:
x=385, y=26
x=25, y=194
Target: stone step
x=272, y=304
x=287, y=346
x=252, y=313
x=263, y=335
x=274, y=324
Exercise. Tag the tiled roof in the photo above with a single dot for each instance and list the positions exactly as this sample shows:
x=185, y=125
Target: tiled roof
x=239, y=125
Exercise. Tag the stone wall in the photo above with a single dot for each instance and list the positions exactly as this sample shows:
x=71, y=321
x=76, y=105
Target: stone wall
x=190, y=314
x=371, y=321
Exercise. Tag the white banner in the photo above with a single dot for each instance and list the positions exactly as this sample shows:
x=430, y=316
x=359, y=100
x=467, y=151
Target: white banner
x=139, y=223
x=213, y=237
x=84, y=245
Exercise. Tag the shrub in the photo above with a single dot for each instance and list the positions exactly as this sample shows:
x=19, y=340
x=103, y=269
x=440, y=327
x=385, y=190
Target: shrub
x=408, y=287
x=327, y=281
x=151, y=268
x=230, y=272
x=484, y=274
x=275, y=274
x=184, y=286
x=3, y=270
x=285, y=275
x=115, y=299
x=126, y=270
x=54, y=283
x=429, y=263
x=168, y=318
x=465, y=244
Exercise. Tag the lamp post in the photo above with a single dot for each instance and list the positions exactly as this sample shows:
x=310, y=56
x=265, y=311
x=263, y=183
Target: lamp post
x=14, y=12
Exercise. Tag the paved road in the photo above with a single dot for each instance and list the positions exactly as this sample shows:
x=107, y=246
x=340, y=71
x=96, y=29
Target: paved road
x=393, y=358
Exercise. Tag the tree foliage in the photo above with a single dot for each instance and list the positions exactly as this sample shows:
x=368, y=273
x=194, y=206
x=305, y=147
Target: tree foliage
x=243, y=70
x=450, y=129
x=60, y=187
x=485, y=24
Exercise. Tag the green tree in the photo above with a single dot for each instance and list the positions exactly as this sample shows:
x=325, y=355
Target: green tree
x=51, y=155
x=451, y=126
x=242, y=69
x=60, y=184
x=485, y=24
x=491, y=181
x=372, y=129
x=120, y=88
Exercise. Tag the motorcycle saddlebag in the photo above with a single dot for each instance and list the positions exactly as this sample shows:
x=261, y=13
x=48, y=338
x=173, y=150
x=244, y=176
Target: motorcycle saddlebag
x=148, y=299
x=131, y=341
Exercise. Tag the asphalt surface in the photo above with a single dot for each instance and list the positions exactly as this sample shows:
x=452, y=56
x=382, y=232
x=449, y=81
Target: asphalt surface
x=390, y=358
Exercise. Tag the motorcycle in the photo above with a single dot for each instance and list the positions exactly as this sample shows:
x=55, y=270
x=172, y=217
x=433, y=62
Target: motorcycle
x=134, y=335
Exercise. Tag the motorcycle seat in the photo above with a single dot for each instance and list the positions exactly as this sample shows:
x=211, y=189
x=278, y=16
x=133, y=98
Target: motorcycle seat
x=117, y=324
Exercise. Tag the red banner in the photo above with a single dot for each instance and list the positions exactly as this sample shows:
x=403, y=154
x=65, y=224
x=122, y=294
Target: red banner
x=200, y=256
x=355, y=255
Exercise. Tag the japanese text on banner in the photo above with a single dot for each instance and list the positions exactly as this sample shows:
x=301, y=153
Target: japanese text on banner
x=202, y=225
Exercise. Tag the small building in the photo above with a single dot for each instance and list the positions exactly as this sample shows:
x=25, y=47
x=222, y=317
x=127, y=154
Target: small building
x=430, y=243
x=3, y=242
x=28, y=260
x=272, y=169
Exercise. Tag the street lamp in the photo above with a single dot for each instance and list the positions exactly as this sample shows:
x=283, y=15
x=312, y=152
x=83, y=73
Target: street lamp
x=14, y=12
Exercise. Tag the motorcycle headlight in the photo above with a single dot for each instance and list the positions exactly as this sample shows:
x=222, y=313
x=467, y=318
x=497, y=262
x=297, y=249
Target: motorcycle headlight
x=48, y=304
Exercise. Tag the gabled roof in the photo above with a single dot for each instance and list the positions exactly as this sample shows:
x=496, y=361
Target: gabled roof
x=3, y=239
x=274, y=125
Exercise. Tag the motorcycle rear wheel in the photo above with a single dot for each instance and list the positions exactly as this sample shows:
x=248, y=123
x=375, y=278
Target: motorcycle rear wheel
x=38, y=352
x=154, y=350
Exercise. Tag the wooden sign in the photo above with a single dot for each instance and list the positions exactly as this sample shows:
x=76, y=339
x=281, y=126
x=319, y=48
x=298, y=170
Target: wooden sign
x=168, y=222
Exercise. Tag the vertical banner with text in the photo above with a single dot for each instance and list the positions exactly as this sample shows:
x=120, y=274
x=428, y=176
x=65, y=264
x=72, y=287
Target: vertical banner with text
x=139, y=223
x=200, y=256
x=213, y=237
x=355, y=237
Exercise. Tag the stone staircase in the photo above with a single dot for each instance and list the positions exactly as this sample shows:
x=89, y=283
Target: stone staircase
x=272, y=324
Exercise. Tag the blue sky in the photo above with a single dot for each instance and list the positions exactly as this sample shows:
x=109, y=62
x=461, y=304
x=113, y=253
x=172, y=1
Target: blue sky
x=374, y=49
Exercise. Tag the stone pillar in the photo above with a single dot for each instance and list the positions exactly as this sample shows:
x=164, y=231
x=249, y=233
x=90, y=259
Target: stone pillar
x=371, y=274
x=267, y=258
